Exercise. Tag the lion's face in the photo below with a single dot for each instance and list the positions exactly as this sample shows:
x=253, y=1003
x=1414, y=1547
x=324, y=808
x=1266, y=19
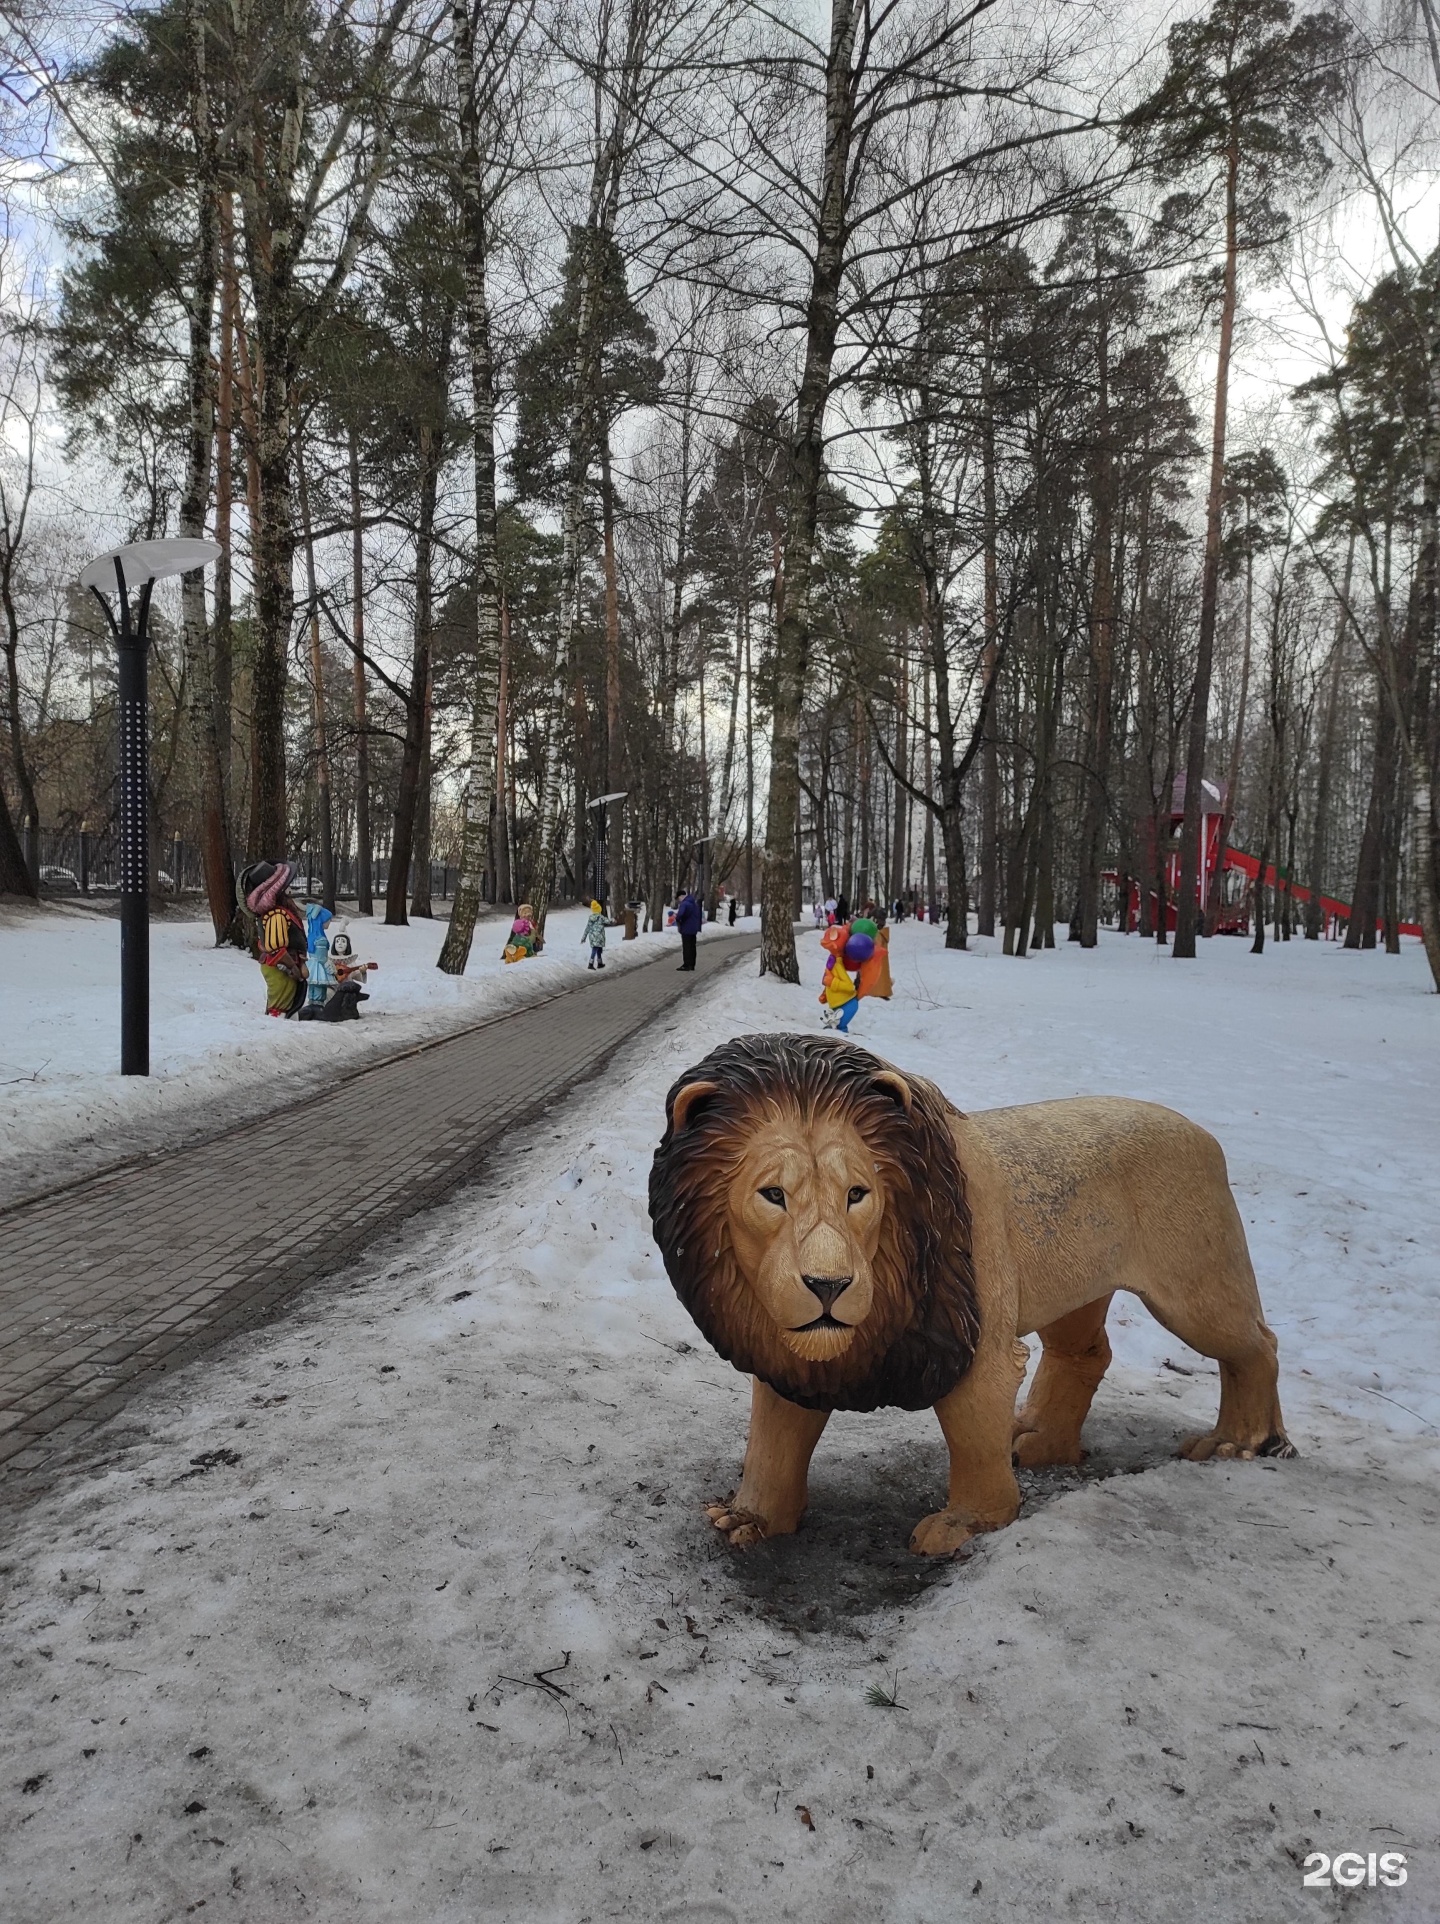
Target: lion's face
x=811, y=1212
x=806, y=1205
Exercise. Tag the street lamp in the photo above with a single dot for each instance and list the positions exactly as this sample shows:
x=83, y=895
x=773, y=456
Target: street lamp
x=138, y=565
x=602, y=802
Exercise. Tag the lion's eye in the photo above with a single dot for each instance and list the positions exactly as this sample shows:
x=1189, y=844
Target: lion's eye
x=857, y=1195
x=774, y=1194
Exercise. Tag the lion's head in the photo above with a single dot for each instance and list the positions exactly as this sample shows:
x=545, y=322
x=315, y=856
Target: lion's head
x=810, y=1208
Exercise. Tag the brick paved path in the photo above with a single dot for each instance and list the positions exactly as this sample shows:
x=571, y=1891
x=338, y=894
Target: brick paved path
x=139, y=1270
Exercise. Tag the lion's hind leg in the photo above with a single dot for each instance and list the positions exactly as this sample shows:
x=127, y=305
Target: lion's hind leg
x=1249, y=1423
x=1219, y=1315
x=1075, y=1358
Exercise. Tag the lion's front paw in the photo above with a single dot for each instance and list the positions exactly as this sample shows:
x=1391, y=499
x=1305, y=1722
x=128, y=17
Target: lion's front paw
x=740, y=1528
x=942, y=1534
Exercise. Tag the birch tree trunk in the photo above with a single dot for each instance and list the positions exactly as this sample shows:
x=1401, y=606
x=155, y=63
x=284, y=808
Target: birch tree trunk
x=317, y=679
x=990, y=754
x=364, y=883
x=402, y=841
x=485, y=689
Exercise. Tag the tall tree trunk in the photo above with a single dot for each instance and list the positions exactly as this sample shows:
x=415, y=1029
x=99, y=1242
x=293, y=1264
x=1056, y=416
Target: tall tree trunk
x=1365, y=897
x=222, y=634
x=749, y=772
x=402, y=839
x=195, y=495
x=504, y=883
x=1390, y=825
x=364, y=881
x=1102, y=657
x=614, y=741
x=900, y=841
x=618, y=94
x=274, y=534
x=317, y=699
x=807, y=455
x=1187, y=909
x=29, y=807
x=990, y=752
x=1231, y=803
x=486, y=721
x=14, y=874
x=931, y=896
x=1320, y=836
x=1257, y=946
x=420, y=903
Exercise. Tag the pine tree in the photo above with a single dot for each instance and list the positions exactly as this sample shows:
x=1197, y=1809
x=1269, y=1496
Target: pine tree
x=1235, y=117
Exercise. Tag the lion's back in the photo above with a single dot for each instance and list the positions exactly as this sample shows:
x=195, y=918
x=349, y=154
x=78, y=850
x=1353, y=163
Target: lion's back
x=1082, y=1139
x=1099, y=1189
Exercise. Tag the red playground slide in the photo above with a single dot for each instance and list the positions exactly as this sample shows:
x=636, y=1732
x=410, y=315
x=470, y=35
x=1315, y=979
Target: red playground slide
x=1334, y=911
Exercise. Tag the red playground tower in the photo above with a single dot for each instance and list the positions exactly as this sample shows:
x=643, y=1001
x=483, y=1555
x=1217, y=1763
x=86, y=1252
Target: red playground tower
x=1235, y=897
x=1232, y=916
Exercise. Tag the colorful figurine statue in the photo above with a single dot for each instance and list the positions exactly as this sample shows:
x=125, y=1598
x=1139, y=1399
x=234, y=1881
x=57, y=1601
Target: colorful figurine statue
x=346, y=972
x=839, y=996
x=317, y=945
x=524, y=938
x=859, y=965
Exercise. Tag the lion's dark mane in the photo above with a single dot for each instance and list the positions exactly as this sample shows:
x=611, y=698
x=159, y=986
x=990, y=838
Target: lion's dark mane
x=927, y=1319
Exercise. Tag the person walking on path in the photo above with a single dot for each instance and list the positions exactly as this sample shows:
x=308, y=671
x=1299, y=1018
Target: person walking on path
x=688, y=917
x=595, y=936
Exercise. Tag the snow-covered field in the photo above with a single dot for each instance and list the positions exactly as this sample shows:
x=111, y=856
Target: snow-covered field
x=405, y=1607
x=215, y=1057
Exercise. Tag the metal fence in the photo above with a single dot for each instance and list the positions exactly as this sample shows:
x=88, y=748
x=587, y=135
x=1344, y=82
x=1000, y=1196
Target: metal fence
x=87, y=862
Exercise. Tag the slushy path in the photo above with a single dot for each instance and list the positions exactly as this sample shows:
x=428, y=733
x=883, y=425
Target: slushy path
x=138, y=1270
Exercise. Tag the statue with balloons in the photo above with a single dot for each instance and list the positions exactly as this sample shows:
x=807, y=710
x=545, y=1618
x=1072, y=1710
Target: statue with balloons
x=858, y=965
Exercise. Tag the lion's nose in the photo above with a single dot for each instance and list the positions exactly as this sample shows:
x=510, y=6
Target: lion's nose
x=826, y=1289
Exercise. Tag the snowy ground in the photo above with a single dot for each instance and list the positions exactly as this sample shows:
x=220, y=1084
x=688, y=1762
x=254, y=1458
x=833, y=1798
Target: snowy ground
x=215, y=1056
x=405, y=1607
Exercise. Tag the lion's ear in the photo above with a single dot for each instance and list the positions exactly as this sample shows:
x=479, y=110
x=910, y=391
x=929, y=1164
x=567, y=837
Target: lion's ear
x=688, y=1100
x=894, y=1084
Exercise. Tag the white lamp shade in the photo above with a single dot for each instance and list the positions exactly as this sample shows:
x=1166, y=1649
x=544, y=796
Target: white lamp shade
x=145, y=561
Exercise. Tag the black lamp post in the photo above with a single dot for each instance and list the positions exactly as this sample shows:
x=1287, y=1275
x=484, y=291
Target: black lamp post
x=139, y=565
x=602, y=823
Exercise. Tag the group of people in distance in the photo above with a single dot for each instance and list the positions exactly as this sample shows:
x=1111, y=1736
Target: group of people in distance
x=310, y=971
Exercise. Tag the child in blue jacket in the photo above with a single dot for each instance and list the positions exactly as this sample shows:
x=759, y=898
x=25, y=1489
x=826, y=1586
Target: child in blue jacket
x=595, y=936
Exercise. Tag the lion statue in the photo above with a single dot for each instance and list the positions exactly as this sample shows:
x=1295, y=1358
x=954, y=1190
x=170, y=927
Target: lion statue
x=843, y=1234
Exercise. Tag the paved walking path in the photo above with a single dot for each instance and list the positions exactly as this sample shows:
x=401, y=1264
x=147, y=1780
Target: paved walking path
x=138, y=1270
